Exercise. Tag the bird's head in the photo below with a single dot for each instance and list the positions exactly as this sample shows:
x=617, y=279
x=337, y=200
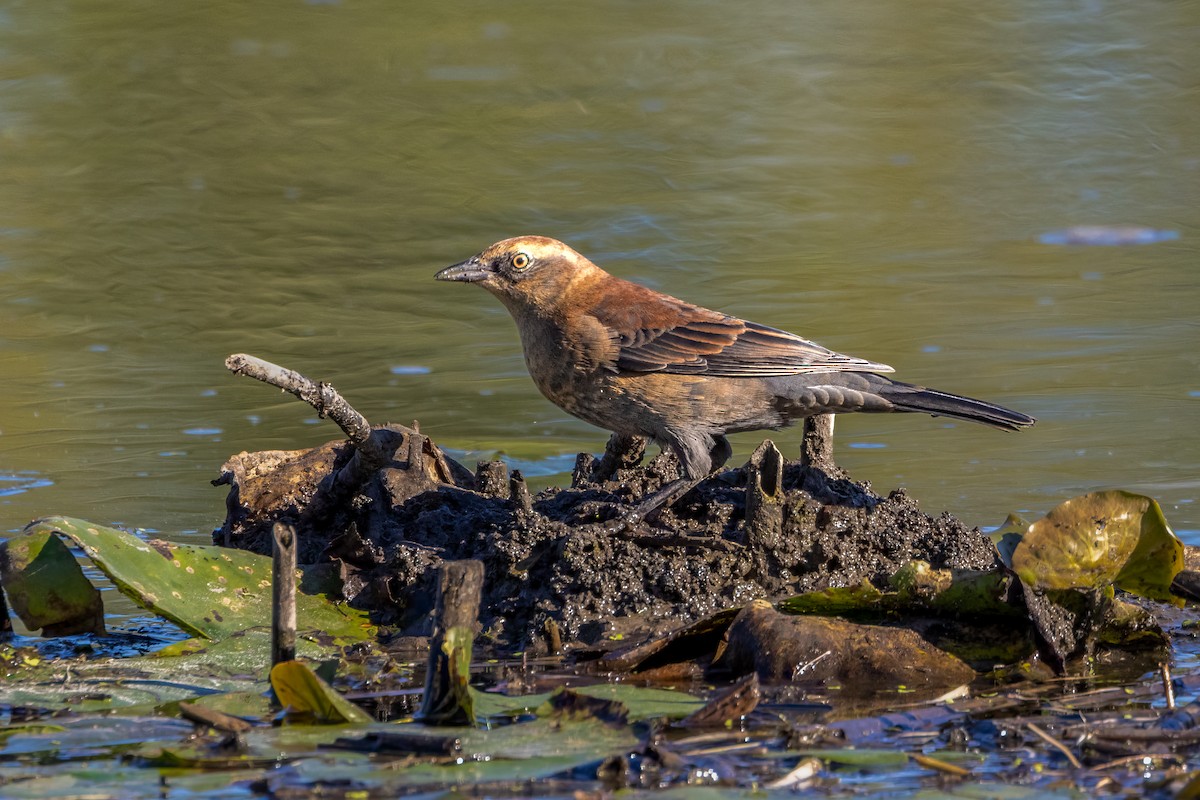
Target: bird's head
x=525, y=270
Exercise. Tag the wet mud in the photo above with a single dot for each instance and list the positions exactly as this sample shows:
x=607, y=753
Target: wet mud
x=559, y=566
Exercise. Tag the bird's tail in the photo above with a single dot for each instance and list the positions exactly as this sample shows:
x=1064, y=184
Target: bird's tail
x=906, y=397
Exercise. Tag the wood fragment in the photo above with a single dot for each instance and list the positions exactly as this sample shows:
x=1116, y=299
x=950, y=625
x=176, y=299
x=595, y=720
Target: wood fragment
x=491, y=478
x=585, y=464
x=1139, y=758
x=679, y=540
x=416, y=453
x=1164, y=670
x=328, y=402
x=283, y=593
x=446, y=700
x=798, y=776
x=620, y=453
x=213, y=718
x=518, y=493
x=553, y=636
x=1133, y=734
x=764, y=485
x=938, y=765
x=5, y=620
x=732, y=703
x=321, y=396
x=782, y=647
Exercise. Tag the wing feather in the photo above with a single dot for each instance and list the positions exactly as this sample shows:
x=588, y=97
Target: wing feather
x=662, y=334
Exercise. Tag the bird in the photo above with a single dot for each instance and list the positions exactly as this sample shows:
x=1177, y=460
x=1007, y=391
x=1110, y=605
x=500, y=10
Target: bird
x=637, y=362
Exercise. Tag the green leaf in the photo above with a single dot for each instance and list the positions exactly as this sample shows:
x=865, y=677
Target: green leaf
x=147, y=682
x=301, y=691
x=207, y=591
x=641, y=702
x=1008, y=536
x=1113, y=537
x=835, y=601
x=46, y=587
x=457, y=646
x=448, y=697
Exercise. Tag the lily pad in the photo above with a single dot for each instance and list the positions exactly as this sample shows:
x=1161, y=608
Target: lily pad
x=641, y=702
x=46, y=587
x=1113, y=537
x=125, y=686
x=208, y=591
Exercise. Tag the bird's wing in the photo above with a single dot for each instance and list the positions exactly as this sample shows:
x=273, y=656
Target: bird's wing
x=662, y=334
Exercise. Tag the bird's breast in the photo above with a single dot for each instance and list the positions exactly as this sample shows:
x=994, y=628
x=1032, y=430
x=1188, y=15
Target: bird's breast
x=572, y=365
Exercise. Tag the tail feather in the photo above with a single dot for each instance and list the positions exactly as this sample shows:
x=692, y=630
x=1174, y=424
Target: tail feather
x=906, y=397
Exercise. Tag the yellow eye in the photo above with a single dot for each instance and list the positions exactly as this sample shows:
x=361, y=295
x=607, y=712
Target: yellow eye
x=520, y=261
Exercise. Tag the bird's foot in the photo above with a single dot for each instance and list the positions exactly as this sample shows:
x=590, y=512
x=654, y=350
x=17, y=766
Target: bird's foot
x=628, y=522
x=647, y=511
x=633, y=520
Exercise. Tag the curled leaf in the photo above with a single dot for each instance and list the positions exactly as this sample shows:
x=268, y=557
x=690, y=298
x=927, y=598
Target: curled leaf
x=1113, y=537
x=47, y=588
x=302, y=692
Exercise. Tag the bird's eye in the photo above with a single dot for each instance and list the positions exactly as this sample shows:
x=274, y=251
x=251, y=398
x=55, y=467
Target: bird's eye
x=520, y=261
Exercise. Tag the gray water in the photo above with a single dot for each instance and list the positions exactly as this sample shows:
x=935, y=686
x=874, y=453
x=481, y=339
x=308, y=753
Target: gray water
x=179, y=182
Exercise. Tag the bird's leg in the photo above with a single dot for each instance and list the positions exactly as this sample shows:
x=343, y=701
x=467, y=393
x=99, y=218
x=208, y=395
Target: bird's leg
x=816, y=449
x=719, y=453
x=665, y=496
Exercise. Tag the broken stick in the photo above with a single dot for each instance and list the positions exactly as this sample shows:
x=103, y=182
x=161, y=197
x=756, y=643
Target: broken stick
x=447, y=699
x=321, y=396
x=283, y=593
x=369, y=455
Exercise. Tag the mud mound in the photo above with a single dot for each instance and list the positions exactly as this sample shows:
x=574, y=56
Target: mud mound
x=559, y=564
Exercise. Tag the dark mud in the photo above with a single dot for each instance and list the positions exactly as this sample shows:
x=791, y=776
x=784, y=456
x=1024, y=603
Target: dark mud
x=553, y=567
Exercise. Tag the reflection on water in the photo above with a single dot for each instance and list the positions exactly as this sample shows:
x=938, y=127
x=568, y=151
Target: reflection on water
x=181, y=183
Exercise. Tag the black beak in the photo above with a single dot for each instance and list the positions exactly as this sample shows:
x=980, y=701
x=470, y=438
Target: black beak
x=469, y=271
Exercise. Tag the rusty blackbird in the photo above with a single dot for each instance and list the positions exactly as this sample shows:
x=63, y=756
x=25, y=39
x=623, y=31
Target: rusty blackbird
x=638, y=362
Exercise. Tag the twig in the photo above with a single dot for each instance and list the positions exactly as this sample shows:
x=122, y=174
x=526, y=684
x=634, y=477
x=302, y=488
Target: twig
x=1137, y=759
x=1164, y=669
x=800, y=669
x=1056, y=744
x=283, y=593
x=194, y=712
x=679, y=540
x=938, y=765
x=369, y=455
x=321, y=396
